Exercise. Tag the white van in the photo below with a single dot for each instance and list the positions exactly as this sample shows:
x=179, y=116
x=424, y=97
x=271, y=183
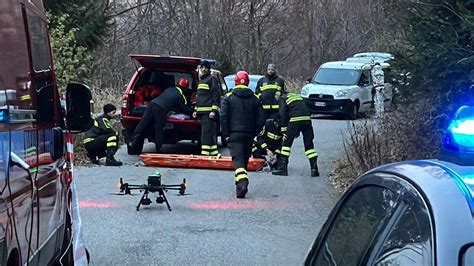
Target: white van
x=343, y=88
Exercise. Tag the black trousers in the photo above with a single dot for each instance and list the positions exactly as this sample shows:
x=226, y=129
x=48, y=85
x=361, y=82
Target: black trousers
x=154, y=116
x=208, y=135
x=101, y=144
x=268, y=112
x=294, y=128
x=240, y=146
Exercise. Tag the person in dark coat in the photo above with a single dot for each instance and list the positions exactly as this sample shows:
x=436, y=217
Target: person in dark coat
x=242, y=118
x=156, y=113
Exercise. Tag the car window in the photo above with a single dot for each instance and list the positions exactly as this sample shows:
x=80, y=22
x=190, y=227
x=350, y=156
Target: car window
x=39, y=42
x=410, y=240
x=333, y=76
x=468, y=258
x=365, y=78
x=355, y=225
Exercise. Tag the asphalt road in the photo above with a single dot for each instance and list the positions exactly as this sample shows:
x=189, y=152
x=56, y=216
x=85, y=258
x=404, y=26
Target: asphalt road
x=274, y=225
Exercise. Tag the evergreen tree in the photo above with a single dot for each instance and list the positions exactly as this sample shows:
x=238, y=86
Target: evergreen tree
x=439, y=50
x=88, y=17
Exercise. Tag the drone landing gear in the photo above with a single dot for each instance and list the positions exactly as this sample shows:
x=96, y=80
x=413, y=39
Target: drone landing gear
x=160, y=199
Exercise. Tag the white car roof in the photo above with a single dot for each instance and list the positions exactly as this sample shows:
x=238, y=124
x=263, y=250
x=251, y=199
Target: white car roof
x=375, y=54
x=346, y=65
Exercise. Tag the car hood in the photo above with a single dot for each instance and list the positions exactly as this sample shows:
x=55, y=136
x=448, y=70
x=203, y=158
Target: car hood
x=326, y=89
x=167, y=62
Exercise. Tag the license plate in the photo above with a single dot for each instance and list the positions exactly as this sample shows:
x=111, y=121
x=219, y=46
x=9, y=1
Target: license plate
x=320, y=104
x=169, y=126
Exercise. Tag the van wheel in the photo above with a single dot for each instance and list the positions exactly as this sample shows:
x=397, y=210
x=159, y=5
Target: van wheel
x=354, y=113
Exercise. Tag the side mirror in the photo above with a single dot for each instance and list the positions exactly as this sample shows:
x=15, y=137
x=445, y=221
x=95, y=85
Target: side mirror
x=78, y=108
x=308, y=80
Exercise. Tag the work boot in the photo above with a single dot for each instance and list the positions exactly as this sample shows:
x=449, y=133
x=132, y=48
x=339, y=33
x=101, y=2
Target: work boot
x=93, y=158
x=282, y=166
x=137, y=144
x=110, y=161
x=241, y=188
x=313, y=162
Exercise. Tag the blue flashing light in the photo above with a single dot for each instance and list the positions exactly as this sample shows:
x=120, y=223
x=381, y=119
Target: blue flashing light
x=463, y=133
x=460, y=135
x=4, y=116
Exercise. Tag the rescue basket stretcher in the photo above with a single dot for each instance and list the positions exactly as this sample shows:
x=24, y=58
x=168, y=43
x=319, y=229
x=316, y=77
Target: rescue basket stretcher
x=197, y=161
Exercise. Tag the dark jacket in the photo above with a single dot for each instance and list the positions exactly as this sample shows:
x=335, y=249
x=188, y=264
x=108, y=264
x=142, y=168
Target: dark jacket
x=101, y=127
x=209, y=95
x=270, y=137
x=266, y=88
x=172, y=99
x=241, y=112
x=292, y=110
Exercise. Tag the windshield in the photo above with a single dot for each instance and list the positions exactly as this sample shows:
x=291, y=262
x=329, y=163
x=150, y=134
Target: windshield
x=332, y=76
x=229, y=80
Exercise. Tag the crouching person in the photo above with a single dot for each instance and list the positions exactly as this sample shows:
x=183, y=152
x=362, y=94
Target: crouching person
x=102, y=140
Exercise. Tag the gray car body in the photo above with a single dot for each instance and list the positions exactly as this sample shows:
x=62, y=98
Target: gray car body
x=449, y=200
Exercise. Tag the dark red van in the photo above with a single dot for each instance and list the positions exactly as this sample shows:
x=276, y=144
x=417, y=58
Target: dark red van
x=35, y=175
x=156, y=74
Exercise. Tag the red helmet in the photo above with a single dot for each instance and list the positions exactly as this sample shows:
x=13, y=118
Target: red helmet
x=242, y=78
x=183, y=83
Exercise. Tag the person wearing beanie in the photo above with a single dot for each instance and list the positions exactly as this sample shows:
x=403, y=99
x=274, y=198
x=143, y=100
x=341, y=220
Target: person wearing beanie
x=171, y=99
x=208, y=101
x=102, y=140
x=266, y=88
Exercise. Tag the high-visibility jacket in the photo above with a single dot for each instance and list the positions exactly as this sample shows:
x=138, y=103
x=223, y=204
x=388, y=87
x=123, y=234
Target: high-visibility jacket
x=266, y=88
x=101, y=127
x=292, y=109
x=209, y=95
x=270, y=137
x=172, y=99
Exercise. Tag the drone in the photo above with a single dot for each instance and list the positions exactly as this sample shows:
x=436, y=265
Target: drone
x=154, y=185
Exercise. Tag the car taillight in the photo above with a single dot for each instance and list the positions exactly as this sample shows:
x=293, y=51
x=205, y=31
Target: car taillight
x=124, y=103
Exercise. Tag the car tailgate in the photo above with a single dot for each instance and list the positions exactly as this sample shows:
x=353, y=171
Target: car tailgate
x=167, y=62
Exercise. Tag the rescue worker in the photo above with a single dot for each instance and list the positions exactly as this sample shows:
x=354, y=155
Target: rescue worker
x=295, y=118
x=269, y=140
x=242, y=118
x=207, y=107
x=266, y=88
x=156, y=113
x=102, y=140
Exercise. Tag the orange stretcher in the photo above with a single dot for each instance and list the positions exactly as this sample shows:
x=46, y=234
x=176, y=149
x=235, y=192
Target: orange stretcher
x=197, y=161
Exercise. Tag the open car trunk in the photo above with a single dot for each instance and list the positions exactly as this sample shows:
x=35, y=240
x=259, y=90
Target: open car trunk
x=151, y=84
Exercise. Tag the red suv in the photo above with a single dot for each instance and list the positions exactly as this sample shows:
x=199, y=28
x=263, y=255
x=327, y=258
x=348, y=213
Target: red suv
x=156, y=74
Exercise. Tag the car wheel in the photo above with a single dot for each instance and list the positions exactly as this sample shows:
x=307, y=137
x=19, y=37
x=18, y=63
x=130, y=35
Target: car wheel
x=354, y=112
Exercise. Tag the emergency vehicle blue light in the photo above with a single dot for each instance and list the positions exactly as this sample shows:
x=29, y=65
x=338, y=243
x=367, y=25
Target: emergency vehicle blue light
x=463, y=132
x=4, y=116
x=461, y=129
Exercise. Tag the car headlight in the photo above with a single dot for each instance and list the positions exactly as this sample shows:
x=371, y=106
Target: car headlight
x=342, y=93
x=305, y=92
